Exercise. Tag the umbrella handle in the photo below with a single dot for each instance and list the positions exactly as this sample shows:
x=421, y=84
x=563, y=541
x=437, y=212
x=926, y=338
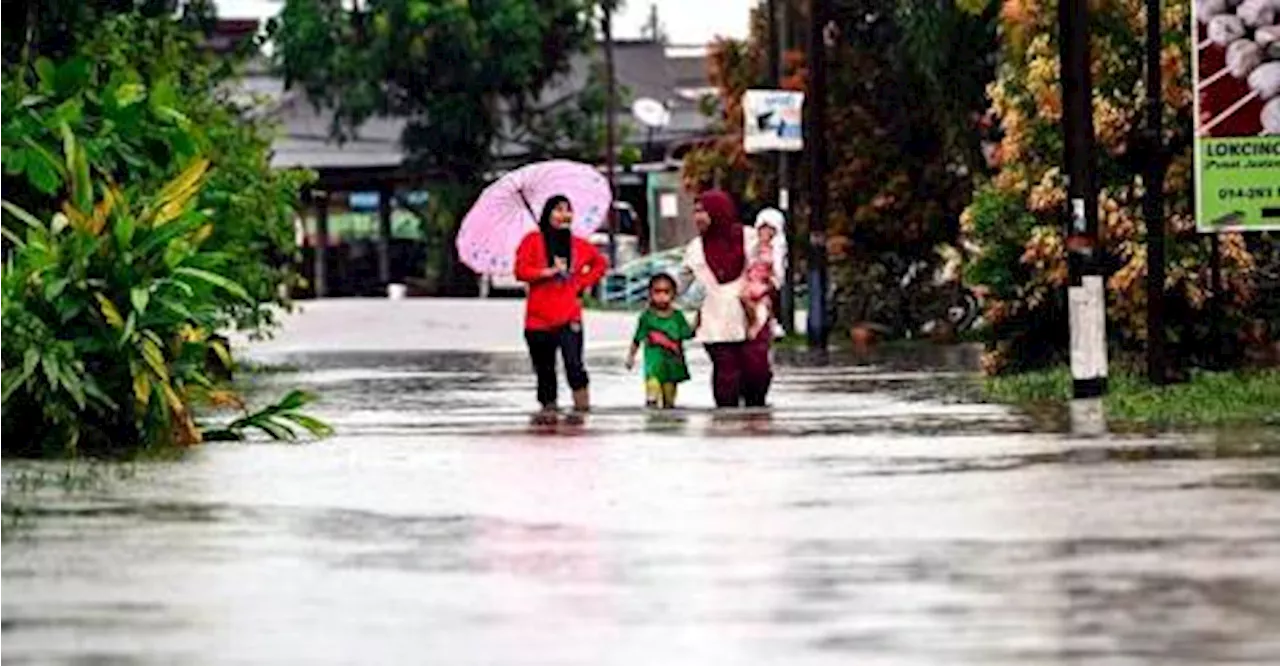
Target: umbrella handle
x=526, y=205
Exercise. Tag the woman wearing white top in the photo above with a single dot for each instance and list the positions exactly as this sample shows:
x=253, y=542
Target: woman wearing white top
x=717, y=261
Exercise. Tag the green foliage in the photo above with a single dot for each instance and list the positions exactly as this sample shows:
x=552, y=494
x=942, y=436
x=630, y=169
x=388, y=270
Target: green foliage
x=945, y=48
x=1004, y=218
x=281, y=421
x=574, y=127
x=102, y=308
x=144, y=98
x=56, y=28
x=452, y=68
x=108, y=309
x=1208, y=399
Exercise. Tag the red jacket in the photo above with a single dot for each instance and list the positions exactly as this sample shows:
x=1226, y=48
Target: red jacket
x=553, y=302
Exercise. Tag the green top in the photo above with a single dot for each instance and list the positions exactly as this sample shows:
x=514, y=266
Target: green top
x=660, y=363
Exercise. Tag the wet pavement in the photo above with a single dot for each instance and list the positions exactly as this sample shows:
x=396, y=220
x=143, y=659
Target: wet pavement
x=874, y=515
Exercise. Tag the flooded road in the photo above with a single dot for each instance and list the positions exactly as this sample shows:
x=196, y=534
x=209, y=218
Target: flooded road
x=870, y=517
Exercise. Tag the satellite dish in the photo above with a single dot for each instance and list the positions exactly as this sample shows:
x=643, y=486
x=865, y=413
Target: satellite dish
x=650, y=112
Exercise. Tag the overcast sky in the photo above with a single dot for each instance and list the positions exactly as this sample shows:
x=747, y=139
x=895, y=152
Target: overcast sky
x=684, y=25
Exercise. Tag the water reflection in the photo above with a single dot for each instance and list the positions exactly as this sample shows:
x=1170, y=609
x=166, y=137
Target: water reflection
x=862, y=519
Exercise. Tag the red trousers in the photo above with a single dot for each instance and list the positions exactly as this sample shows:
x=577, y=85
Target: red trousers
x=740, y=371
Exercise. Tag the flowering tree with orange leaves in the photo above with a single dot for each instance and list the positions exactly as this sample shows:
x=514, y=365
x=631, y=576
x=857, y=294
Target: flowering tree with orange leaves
x=904, y=88
x=1015, y=219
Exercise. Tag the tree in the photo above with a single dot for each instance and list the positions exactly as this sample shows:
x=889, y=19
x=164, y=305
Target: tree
x=900, y=130
x=451, y=68
x=1015, y=218
x=55, y=28
x=573, y=127
x=145, y=96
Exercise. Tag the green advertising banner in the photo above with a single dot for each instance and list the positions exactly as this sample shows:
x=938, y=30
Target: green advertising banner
x=1238, y=183
x=1236, y=76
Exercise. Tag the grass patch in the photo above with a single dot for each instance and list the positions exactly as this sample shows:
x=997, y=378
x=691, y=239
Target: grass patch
x=1207, y=399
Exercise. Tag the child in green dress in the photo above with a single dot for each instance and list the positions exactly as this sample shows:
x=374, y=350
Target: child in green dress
x=662, y=329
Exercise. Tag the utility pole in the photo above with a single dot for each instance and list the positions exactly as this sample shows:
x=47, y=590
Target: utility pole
x=1086, y=296
x=610, y=125
x=779, y=35
x=816, y=146
x=1153, y=205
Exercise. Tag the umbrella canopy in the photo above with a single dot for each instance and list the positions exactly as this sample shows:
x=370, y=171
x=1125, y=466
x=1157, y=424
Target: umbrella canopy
x=508, y=209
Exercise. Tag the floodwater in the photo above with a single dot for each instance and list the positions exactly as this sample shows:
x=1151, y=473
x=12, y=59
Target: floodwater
x=870, y=517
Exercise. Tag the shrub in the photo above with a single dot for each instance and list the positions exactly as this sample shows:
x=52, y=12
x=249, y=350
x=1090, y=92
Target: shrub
x=144, y=98
x=1015, y=219
x=108, y=311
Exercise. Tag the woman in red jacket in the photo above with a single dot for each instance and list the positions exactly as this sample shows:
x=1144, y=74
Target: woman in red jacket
x=558, y=267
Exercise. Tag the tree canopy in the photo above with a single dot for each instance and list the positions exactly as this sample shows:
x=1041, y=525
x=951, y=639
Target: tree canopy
x=453, y=69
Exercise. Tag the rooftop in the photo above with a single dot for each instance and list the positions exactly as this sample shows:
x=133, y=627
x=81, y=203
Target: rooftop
x=645, y=68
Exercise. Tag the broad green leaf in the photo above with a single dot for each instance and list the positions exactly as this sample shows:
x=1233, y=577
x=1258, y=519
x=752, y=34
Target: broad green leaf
x=177, y=308
x=15, y=160
x=160, y=238
x=173, y=197
x=276, y=431
x=12, y=379
x=92, y=390
x=83, y=187
x=154, y=358
x=43, y=177
x=13, y=238
x=123, y=229
x=220, y=350
x=71, y=382
x=139, y=297
x=30, y=360
x=44, y=171
x=163, y=94
x=171, y=396
x=22, y=215
x=47, y=73
x=70, y=112
x=52, y=368
x=170, y=113
x=129, y=93
x=40, y=153
x=73, y=75
x=295, y=399
x=311, y=424
x=109, y=311
x=55, y=287
x=215, y=280
x=141, y=387
x=130, y=323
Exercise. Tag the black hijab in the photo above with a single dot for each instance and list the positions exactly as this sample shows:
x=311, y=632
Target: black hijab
x=559, y=242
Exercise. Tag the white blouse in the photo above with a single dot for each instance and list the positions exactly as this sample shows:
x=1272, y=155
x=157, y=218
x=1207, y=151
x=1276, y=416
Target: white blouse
x=722, y=316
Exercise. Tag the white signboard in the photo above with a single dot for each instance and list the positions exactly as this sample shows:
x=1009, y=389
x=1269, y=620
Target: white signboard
x=668, y=205
x=772, y=120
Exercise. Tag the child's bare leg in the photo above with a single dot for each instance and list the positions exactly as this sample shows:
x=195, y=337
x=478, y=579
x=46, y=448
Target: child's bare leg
x=652, y=393
x=669, y=395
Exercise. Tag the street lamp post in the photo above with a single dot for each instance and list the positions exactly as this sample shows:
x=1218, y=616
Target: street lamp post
x=1153, y=205
x=1086, y=296
x=779, y=35
x=610, y=130
x=820, y=33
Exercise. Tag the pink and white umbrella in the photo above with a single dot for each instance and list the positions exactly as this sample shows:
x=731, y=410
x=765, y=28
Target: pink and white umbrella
x=508, y=209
